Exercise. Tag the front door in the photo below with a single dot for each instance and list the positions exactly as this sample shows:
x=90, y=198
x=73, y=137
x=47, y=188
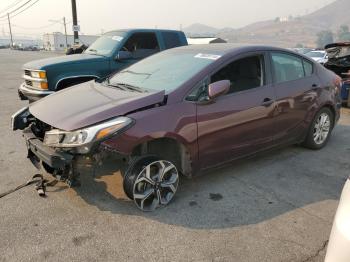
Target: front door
x=240, y=122
x=140, y=45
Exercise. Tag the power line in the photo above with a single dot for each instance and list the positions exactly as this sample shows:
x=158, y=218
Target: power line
x=25, y=8
x=34, y=28
x=10, y=6
x=17, y=8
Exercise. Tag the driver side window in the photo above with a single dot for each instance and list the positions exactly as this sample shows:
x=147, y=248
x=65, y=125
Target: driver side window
x=244, y=74
x=141, y=45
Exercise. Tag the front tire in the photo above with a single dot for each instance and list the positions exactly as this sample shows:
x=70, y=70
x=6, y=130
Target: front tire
x=151, y=182
x=320, y=130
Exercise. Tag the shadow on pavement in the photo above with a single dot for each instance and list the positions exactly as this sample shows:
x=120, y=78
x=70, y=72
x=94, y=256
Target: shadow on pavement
x=243, y=193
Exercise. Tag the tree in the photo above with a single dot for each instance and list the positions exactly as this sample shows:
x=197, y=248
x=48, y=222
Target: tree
x=343, y=33
x=324, y=38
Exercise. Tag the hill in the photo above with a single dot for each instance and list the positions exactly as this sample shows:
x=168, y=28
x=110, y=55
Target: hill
x=200, y=29
x=288, y=32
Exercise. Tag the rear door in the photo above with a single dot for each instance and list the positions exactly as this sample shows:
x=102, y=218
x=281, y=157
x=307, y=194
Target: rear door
x=296, y=87
x=240, y=122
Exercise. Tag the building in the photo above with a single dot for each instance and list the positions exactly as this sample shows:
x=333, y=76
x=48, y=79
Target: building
x=204, y=40
x=57, y=41
x=20, y=41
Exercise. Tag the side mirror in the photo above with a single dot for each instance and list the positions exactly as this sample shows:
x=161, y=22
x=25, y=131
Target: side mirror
x=218, y=88
x=123, y=55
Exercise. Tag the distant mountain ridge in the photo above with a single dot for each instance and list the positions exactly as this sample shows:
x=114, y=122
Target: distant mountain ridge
x=297, y=30
x=200, y=29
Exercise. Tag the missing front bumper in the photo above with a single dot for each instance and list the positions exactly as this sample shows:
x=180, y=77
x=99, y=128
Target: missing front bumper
x=37, y=152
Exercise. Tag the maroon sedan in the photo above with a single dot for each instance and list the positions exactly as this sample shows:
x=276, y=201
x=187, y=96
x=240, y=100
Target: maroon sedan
x=183, y=111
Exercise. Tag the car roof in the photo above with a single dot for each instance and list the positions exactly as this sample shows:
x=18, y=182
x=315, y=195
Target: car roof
x=341, y=44
x=229, y=48
x=142, y=30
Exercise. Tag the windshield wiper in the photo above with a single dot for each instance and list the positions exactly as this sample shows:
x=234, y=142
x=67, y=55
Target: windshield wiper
x=107, y=83
x=131, y=87
x=135, y=73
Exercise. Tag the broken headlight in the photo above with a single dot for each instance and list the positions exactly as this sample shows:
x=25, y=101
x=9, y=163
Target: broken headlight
x=77, y=138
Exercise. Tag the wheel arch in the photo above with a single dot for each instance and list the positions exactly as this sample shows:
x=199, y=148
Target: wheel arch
x=331, y=108
x=169, y=148
x=68, y=81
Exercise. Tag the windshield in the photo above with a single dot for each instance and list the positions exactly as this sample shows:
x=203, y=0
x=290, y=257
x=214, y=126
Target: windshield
x=315, y=54
x=164, y=71
x=105, y=44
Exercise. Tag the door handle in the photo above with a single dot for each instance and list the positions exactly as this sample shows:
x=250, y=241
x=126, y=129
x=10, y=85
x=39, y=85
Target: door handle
x=315, y=86
x=267, y=102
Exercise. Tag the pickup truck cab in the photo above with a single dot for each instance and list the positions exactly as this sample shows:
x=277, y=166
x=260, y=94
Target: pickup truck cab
x=110, y=53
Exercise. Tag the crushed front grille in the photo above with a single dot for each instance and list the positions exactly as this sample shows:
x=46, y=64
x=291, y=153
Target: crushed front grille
x=39, y=128
x=27, y=73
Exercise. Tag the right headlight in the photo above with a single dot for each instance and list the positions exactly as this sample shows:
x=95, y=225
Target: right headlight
x=81, y=137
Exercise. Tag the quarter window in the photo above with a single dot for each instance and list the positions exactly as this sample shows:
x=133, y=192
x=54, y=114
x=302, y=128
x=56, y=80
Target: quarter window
x=287, y=67
x=308, y=67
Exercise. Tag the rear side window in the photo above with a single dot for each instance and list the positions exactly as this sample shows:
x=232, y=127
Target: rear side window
x=287, y=67
x=171, y=39
x=308, y=68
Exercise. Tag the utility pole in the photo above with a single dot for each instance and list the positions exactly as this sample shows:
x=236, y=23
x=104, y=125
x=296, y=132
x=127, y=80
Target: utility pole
x=8, y=17
x=65, y=30
x=75, y=21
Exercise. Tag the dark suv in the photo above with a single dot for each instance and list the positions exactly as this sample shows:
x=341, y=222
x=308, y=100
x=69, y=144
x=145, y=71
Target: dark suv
x=182, y=111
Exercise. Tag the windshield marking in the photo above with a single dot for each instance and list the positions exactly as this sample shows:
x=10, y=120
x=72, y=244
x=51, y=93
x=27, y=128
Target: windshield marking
x=117, y=38
x=207, y=56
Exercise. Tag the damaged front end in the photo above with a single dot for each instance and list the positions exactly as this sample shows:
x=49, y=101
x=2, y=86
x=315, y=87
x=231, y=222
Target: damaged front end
x=62, y=153
x=339, y=63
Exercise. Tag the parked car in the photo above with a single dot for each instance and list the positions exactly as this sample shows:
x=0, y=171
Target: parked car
x=339, y=63
x=76, y=49
x=31, y=48
x=109, y=53
x=302, y=50
x=318, y=55
x=339, y=242
x=183, y=111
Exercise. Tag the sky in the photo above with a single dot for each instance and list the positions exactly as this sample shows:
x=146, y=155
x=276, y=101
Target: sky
x=104, y=15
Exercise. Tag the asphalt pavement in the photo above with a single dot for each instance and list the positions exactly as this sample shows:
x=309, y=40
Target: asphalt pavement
x=278, y=206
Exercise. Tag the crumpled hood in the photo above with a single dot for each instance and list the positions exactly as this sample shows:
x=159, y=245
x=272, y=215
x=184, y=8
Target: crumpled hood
x=43, y=64
x=89, y=103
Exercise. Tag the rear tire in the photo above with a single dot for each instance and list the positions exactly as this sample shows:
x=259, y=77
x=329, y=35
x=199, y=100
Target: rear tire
x=320, y=130
x=151, y=182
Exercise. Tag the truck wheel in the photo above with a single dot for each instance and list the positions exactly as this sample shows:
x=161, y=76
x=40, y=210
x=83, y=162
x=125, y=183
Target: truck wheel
x=320, y=129
x=151, y=182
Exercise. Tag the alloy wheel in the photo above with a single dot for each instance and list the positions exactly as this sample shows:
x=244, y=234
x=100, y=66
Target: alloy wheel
x=322, y=128
x=155, y=185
